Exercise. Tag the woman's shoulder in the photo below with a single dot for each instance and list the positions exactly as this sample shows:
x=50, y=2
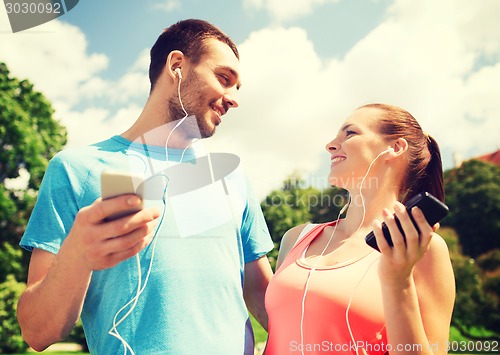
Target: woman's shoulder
x=438, y=248
x=291, y=235
x=289, y=240
x=436, y=260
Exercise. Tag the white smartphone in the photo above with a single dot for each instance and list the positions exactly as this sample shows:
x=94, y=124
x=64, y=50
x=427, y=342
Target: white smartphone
x=115, y=183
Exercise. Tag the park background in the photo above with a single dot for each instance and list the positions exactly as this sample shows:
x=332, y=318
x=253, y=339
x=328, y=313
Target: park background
x=305, y=65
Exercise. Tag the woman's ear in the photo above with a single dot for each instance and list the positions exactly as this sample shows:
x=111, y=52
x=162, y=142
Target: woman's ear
x=400, y=146
x=175, y=60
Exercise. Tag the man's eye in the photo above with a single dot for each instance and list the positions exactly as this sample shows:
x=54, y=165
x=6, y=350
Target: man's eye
x=224, y=79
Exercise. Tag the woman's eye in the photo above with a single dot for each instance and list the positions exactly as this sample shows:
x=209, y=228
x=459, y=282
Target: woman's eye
x=349, y=133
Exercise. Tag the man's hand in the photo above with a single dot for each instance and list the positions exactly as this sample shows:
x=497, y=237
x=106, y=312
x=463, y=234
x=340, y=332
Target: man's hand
x=101, y=244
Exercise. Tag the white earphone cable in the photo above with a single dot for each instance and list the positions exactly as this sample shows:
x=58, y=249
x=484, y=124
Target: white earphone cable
x=140, y=288
x=313, y=268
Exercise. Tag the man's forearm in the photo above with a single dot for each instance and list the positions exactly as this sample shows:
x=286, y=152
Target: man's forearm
x=257, y=276
x=258, y=310
x=50, y=307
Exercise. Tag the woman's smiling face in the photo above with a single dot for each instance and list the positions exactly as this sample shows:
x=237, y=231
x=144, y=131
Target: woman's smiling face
x=356, y=145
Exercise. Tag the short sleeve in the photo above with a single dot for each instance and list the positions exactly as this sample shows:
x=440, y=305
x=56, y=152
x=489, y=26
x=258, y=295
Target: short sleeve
x=256, y=239
x=55, y=208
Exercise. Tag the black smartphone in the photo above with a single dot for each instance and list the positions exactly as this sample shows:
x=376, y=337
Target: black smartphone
x=433, y=210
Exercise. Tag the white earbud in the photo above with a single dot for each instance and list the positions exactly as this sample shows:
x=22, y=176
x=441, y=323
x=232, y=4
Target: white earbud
x=388, y=150
x=179, y=73
x=344, y=208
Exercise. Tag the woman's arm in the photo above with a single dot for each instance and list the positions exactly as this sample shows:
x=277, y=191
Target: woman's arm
x=418, y=288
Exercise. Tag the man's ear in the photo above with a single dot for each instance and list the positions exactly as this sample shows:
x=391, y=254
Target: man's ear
x=175, y=60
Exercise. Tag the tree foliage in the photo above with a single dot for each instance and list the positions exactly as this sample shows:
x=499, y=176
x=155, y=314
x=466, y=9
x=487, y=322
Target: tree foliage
x=473, y=195
x=29, y=138
x=477, y=301
x=10, y=333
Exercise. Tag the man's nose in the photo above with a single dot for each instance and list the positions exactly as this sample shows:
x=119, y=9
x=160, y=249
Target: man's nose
x=232, y=99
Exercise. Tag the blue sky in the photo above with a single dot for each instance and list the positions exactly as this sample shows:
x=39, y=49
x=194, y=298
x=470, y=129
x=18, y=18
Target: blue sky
x=124, y=30
x=305, y=65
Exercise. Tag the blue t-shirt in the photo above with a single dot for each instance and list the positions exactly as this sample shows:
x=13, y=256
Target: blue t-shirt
x=212, y=225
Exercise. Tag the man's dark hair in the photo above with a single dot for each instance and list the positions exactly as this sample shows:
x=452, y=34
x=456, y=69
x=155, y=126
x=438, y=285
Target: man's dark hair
x=187, y=36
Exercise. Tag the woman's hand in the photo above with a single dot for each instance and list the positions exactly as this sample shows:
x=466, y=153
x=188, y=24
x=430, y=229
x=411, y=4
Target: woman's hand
x=397, y=263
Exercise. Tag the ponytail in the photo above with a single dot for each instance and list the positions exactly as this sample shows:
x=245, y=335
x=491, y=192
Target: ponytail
x=432, y=179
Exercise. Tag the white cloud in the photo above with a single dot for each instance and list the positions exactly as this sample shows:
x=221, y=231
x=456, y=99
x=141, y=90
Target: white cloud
x=96, y=124
x=53, y=56
x=280, y=123
x=84, y=127
x=168, y=5
x=422, y=57
x=285, y=10
x=431, y=50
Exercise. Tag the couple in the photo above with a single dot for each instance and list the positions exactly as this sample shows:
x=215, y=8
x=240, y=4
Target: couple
x=140, y=286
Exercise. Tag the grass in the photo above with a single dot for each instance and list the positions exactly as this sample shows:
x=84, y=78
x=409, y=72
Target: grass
x=259, y=332
x=261, y=337
x=462, y=345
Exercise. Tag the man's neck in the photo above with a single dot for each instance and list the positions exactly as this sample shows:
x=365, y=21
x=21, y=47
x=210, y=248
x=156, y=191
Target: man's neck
x=155, y=127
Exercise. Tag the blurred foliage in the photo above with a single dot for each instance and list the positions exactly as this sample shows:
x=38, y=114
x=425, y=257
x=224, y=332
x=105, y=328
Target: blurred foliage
x=29, y=137
x=77, y=336
x=11, y=340
x=473, y=195
x=11, y=262
x=477, y=298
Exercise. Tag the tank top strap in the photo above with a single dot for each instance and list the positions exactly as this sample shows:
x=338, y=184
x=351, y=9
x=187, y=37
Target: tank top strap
x=305, y=231
x=310, y=231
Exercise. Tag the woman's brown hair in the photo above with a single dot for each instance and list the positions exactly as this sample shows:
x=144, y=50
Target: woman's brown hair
x=425, y=171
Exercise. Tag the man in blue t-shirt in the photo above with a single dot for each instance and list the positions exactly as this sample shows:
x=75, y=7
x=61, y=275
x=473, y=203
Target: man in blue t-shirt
x=177, y=276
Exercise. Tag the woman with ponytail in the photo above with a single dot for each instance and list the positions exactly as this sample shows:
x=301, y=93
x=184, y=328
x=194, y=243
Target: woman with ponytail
x=334, y=294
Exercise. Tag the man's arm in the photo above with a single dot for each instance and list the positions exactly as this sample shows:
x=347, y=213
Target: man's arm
x=57, y=284
x=257, y=276
x=51, y=304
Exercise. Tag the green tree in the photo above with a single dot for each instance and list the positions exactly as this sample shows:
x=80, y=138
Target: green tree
x=288, y=207
x=284, y=209
x=331, y=200
x=10, y=333
x=29, y=138
x=473, y=195
x=476, y=313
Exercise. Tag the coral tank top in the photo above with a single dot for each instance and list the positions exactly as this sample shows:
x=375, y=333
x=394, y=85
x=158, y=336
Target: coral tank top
x=325, y=327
